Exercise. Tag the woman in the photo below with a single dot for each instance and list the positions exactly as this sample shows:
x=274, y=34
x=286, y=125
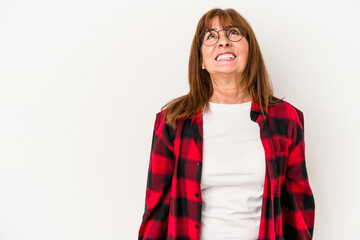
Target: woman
x=228, y=158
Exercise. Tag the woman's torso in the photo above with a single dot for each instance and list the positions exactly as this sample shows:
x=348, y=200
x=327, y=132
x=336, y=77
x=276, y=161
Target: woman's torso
x=233, y=173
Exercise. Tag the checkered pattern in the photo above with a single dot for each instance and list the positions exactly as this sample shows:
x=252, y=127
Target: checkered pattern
x=173, y=195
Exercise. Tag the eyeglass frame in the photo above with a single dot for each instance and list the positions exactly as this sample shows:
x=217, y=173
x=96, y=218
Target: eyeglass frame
x=224, y=29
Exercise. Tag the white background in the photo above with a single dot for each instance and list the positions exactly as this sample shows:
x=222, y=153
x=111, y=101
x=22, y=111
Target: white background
x=81, y=82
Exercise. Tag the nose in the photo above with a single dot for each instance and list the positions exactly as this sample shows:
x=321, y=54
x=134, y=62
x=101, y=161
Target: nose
x=223, y=40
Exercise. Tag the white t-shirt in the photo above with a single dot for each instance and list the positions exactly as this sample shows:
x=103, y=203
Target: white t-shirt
x=233, y=173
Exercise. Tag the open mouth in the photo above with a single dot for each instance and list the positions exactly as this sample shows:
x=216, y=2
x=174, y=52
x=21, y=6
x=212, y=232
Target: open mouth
x=227, y=56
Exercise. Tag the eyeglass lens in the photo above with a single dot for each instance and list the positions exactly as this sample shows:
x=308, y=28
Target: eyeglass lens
x=233, y=33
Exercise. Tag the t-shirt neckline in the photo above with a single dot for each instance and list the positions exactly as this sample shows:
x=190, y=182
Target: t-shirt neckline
x=230, y=106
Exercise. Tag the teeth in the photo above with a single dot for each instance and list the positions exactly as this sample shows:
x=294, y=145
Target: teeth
x=226, y=56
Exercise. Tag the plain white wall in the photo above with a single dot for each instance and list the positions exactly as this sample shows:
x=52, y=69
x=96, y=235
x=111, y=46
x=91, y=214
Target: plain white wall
x=81, y=82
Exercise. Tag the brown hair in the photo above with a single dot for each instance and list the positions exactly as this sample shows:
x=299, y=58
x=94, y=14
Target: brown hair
x=255, y=75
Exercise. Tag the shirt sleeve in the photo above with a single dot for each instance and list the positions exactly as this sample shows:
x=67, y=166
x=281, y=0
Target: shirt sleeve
x=159, y=178
x=297, y=200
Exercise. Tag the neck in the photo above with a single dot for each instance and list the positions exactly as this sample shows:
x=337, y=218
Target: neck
x=228, y=91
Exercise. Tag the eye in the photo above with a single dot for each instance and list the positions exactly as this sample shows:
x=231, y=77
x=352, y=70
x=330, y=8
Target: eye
x=233, y=31
x=210, y=36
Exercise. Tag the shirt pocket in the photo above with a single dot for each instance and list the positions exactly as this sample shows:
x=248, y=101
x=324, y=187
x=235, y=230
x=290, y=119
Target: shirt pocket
x=190, y=170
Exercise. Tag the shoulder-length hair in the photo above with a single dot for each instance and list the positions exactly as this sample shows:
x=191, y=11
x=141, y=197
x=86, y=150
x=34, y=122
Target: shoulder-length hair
x=255, y=76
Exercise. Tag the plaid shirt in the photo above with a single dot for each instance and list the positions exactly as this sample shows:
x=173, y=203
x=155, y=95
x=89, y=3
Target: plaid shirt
x=173, y=195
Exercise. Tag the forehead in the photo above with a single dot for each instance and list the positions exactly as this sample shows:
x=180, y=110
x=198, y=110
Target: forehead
x=218, y=23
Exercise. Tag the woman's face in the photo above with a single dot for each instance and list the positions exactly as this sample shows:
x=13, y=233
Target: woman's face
x=225, y=67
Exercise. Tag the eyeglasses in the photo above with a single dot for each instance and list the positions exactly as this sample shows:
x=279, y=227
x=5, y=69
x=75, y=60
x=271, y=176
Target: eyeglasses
x=233, y=33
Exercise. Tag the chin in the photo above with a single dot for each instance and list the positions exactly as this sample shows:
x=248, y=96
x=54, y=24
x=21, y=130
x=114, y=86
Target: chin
x=227, y=70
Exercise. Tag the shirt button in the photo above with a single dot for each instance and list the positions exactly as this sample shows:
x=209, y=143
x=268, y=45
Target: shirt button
x=198, y=163
x=196, y=195
x=196, y=226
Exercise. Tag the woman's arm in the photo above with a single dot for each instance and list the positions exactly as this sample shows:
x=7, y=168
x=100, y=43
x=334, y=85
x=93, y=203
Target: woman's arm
x=159, y=178
x=297, y=200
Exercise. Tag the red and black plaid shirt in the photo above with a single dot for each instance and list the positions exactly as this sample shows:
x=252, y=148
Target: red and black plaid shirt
x=173, y=195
